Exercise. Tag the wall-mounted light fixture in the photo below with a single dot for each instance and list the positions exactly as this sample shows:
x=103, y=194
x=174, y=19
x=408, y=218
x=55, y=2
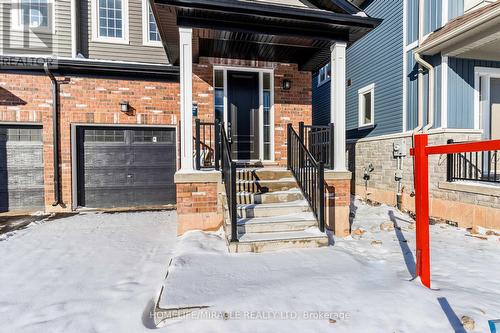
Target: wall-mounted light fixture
x=124, y=106
x=287, y=84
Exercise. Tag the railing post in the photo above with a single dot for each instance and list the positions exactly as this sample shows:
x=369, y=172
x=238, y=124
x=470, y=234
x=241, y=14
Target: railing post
x=217, y=144
x=288, y=146
x=421, y=180
x=449, y=166
x=234, y=227
x=301, y=137
x=197, y=144
x=331, y=145
x=321, y=195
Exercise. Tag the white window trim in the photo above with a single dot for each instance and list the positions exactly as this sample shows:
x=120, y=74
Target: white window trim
x=145, y=27
x=368, y=89
x=482, y=73
x=16, y=23
x=322, y=82
x=95, y=25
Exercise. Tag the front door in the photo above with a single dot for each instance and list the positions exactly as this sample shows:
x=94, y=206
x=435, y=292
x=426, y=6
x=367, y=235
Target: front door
x=243, y=115
x=495, y=109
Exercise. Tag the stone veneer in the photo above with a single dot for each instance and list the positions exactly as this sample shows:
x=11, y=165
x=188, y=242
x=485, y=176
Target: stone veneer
x=464, y=208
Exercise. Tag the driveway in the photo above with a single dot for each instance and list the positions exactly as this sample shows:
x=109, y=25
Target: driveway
x=92, y=272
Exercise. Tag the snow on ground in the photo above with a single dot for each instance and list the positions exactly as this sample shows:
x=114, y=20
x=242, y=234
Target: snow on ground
x=363, y=283
x=85, y=273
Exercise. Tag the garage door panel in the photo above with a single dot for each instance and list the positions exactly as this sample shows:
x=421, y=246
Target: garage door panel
x=21, y=168
x=136, y=169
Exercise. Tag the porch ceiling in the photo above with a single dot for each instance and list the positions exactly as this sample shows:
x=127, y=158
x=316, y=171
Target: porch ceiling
x=256, y=30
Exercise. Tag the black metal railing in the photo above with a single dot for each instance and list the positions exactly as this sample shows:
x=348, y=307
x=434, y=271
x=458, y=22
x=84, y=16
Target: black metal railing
x=482, y=166
x=206, y=145
x=319, y=141
x=308, y=172
x=229, y=179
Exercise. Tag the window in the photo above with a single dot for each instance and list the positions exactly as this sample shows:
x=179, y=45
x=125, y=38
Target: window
x=150, y=34
x=366, y=102
x=33, y=14
x=110, y=21
x=267, y=115
x=219, y=94
x=324, y=74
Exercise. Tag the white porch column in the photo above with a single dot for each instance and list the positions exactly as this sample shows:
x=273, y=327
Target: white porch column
x=338, y=103
x=186, y=87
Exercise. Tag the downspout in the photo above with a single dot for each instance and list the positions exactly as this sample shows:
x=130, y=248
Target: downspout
x=422, y=63
x=55, y=133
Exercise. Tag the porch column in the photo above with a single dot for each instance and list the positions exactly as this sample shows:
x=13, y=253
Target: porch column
x=338, y=103
x=186, y=87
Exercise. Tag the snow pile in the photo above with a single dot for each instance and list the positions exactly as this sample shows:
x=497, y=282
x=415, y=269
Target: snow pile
x=362, y=284
x=86, y=273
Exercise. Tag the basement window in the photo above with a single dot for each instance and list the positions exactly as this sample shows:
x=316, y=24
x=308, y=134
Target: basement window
x=366, y=105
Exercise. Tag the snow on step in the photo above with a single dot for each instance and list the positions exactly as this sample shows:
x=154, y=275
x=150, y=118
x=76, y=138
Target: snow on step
x=279, y=223
x=272, y=209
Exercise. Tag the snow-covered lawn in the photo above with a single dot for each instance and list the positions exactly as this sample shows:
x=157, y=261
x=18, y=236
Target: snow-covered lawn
x=85, y=273
x=100, y=273
x=362, y=283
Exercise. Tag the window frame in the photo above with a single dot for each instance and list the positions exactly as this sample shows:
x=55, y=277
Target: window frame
x=324, y=70
x=361, y=106
x=96, y=37
x=146, y=7
x=16, y=22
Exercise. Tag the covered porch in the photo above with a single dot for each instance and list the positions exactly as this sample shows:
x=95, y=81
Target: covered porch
x=246, y=66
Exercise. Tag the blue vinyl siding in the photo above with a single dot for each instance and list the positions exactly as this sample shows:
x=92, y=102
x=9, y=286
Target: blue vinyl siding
x=433, y=15
x=412, y=21
x=321, y=101
x=461, y=90
x=412, y=92
x=378, y=58
x=455, y=8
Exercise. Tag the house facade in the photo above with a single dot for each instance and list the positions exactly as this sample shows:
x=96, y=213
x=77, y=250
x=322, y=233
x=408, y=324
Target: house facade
x=101, y=102
x=453, y=97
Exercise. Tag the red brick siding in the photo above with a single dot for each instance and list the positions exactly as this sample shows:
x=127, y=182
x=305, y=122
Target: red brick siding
x=28, y=98
x=196, y=198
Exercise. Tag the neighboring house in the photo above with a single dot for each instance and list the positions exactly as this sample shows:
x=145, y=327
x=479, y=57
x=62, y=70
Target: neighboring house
x=460, y=40
x=130, y=85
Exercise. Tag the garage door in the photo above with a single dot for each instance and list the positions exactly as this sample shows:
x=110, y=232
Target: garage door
x=125, y=167
x=21, y=168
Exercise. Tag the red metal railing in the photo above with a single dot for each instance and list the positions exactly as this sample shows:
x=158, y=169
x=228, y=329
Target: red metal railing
x=421, y=152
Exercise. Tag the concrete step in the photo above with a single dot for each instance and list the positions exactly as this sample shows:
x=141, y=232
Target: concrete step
x=264, y=186
x=280, y=223
x=272, y=209
x=263, y=242
x=263, y=173
x=270, y=197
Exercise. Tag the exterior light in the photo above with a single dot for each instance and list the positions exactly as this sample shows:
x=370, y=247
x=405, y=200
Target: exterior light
x=287, y=84
x=124, y=106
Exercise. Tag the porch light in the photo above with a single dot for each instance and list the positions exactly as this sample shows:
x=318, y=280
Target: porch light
x=124, y=106
x=287, y=84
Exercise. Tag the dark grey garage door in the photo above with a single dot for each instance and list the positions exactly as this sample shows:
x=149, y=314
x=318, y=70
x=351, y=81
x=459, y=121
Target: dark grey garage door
x=21, y=168
x=125, y=167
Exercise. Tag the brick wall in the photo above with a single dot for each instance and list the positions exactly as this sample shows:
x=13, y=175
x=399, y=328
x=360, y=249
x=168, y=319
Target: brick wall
x=198, y=207
x=92, y=100
x=455, y=206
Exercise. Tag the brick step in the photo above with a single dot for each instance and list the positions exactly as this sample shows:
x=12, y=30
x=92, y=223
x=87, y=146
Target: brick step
x=269, y=197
